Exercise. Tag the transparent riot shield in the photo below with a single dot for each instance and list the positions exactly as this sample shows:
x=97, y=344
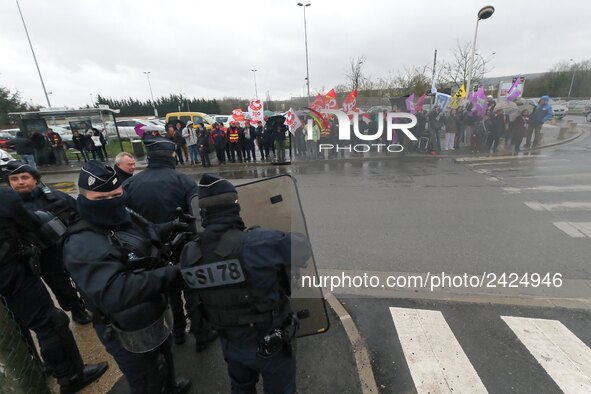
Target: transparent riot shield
x=274, y=203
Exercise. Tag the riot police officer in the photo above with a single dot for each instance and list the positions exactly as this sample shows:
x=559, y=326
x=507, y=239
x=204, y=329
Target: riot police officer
x=242, y=277
x=43, y=201
x=156, y=193
x=113, y=255
x=29, y=301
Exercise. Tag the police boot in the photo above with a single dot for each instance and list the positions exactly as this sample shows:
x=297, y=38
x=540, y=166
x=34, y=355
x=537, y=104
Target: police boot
x=77, y=382
x=81, y=316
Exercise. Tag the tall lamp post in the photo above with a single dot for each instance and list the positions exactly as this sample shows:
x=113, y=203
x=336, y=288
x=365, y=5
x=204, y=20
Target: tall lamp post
x=306, y=41
x=484, y=13
x=34, y=57
x=151, y=93
x=256, y=93
x=573, y=78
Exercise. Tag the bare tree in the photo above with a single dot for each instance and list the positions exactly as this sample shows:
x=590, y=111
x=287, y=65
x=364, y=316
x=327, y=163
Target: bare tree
x=454, y=73
x=412, y=80
x=354, y=74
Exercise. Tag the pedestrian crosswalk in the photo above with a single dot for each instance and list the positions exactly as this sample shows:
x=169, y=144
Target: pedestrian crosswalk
x=438, y=363
x=552, y=193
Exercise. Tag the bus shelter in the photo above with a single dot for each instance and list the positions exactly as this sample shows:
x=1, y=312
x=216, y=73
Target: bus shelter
x=101, y=118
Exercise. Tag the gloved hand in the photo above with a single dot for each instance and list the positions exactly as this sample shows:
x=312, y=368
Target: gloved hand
x=184, y=217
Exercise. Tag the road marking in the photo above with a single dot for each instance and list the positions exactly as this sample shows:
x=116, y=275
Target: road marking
x=564, y=356
x=436, y=360
x=574, y=229
x=556, y=189
x=569, y=175
x=563, y=206
x=497, y=158
x=501, y=163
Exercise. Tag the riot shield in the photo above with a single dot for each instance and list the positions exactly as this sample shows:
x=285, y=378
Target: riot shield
x=274, y=203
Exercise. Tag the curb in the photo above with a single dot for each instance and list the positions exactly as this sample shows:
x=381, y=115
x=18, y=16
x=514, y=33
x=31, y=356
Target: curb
x=366, y=376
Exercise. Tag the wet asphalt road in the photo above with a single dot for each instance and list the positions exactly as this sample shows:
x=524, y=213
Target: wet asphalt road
x=419, y=215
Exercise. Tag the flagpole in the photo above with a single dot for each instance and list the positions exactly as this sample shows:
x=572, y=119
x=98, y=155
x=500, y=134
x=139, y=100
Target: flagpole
x=433, y=77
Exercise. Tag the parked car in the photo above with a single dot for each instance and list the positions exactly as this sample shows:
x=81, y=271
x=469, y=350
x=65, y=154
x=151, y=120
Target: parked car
x=223, y=119
x=560, y=109
x=127, y=128
x=11, y=131
x=195, y=117
x=5, y=139
x=5, y=158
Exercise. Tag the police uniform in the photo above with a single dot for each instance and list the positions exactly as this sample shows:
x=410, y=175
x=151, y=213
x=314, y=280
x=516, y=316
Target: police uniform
x=50, y=204
x=156, y=193
x=113, y=256
x=28, y=299
x=247, y=301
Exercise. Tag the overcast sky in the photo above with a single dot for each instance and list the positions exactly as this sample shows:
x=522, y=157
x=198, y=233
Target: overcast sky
x=207, y=48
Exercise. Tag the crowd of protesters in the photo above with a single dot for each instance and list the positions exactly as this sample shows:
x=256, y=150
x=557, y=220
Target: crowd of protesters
x=244, y=142
x=240, y=142
x=50, y=148
x=481, y=133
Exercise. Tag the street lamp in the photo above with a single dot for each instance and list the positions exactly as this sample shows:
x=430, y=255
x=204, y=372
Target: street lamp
x=573, y=78
x=484, y=13
x=256, y=94
x=306, y=41
x=151, y=94
x=92, y=100
x=34, y=57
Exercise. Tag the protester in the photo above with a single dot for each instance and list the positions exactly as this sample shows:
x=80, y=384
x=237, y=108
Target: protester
x=57, y=146
x=181, y=142
x=258, y=132
x=25, y=148
x=542, y=113
x=41, y=148
x=518, y=129
x=173, y=135
x=312, y=142
x=80, y=143
x=98, y=141
x=218, y=138
x=248, y=142
x=124, y=165
x=435, y=125
x=203, y=140
x=451, y=127
x=497, y=130
x=190, y=136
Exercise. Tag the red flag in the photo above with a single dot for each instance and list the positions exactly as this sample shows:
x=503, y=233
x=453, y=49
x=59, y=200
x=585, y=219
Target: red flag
x=318, y=103
x=350, y=103
x=330, y=100
x=238, y=115
x=419, y=106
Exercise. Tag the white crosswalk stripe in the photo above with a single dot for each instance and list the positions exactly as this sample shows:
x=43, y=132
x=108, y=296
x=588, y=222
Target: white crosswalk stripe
x=562, y=206
x=575, y=229
x=549, y=189
x=436, y=360
x=438, y=364
x=564, y=356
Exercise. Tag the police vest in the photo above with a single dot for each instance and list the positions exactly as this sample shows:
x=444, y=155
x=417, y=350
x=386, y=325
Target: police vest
x=213, y=271
x=233, y=135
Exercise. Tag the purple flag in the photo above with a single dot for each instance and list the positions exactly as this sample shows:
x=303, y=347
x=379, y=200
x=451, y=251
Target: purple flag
x=410, y=105
x=480, y=103
x=514, y=91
